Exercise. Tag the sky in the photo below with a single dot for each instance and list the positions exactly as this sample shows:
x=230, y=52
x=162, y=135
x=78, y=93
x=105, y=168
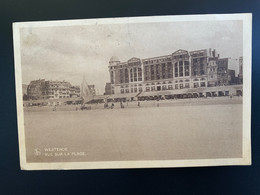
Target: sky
x=70, y=52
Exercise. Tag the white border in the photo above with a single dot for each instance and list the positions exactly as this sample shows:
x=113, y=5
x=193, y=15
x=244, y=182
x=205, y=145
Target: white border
x=247, y=44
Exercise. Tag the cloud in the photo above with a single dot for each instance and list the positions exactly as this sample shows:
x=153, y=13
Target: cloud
x=66, y=53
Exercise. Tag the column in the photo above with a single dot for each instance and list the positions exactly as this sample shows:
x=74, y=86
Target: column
x=129, y=74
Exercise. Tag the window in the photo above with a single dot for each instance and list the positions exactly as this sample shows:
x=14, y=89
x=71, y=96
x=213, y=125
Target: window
x=164, y=87
x=127, y=91
x=140, y=74
x=169, y=70
x=181, y=86
x=176, y=86
x=146, y=73
x=158, y=72
x=135, y=89
x=147, y=89
x=131, y=75
x=181, y=70
x=202, y=84
x=176, y=69
x=163, y=71
x=126, y=76
x=187, y=85
x=195, y=85
x=112, y=77
x=153, y=88
x=170, y=87
x=135, y=74
x=152, y=72
x=187, y=68
x=122, y=90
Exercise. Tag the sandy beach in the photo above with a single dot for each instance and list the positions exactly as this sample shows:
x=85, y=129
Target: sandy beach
x=146, y=133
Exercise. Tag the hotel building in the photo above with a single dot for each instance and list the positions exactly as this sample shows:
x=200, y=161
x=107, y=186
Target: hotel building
x=175, y=72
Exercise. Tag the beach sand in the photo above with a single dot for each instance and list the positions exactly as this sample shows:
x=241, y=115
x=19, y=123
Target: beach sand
x=147, y=133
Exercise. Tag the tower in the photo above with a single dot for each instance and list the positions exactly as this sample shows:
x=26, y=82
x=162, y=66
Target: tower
x=112, y=68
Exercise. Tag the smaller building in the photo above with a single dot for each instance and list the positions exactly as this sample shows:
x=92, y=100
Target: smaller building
x=232, y=77
x=36, y=89
x=108, y=89
x=223, y=71
x=41, y=89
x=74, y=91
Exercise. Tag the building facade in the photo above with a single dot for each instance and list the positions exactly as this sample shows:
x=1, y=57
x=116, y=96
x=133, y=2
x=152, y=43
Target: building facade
x=179, y=70
x=240, y=74
x=108, y=89
x=36, y=89
x=41, y=89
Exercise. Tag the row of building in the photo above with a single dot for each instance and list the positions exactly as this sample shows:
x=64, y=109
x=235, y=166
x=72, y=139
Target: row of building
x=181, y=74
x=179, y=70
x=43, y=89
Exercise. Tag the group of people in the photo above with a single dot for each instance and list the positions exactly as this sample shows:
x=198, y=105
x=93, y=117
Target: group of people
x=122, y=106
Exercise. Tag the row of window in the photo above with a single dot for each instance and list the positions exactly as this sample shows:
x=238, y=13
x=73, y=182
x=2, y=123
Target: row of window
x=182, y=68
x=135, y=74
x=157, y=61
x=158, y=71
x=164, y=87
x=132, y=90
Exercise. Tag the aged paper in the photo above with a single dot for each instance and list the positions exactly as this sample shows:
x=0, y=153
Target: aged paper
x=140, y=92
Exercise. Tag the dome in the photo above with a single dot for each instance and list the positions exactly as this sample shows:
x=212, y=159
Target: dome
x=114, y=59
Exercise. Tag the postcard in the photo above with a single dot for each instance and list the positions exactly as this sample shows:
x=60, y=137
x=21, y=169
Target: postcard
x=136, y=92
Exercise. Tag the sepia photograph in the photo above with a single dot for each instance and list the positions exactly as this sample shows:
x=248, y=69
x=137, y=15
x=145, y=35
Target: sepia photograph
x=137, y=92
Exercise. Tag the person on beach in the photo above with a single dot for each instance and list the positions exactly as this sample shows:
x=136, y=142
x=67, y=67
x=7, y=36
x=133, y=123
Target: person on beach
x=138, y=104
x=121, y=105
